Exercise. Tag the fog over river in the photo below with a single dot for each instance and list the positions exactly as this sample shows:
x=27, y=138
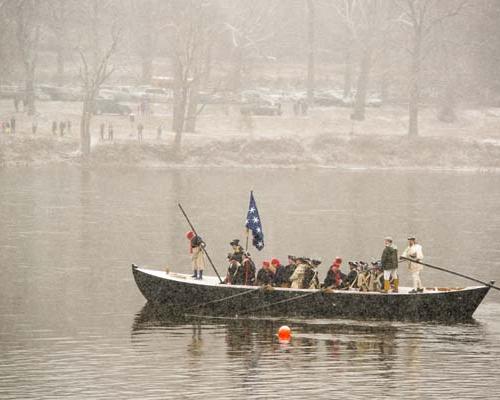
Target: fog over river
x=73, y=324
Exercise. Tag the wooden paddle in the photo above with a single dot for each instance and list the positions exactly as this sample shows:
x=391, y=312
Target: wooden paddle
x=491, y=284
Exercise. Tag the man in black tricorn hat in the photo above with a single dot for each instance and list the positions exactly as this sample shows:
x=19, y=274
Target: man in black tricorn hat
x=237, y=252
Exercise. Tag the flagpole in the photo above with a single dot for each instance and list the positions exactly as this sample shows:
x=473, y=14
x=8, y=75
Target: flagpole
x=248, y=230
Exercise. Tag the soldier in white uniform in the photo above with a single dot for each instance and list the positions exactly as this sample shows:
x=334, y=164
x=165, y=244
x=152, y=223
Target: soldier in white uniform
x=414, y=252
x=196, y=245
x=297, y=277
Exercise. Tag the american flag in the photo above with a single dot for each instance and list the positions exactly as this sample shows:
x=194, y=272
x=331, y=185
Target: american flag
x=254, y=224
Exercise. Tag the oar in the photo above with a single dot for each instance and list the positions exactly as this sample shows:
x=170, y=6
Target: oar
x=203, y=248
x=453, y=273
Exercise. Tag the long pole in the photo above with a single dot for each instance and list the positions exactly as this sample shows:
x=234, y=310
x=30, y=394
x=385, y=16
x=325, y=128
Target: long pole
x=453, y=273
x=203, y=248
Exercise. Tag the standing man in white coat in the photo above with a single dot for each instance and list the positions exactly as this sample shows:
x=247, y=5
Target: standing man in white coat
x=414, y=252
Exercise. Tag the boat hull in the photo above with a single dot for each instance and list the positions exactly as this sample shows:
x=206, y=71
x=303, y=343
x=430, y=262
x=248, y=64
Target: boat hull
x=185, y=295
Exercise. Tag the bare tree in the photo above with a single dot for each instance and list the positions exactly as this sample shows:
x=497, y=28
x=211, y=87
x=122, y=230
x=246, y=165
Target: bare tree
x=58, y=18
x=95, y=64
x=374, y=20
x=250, y=27
x=144, y=26
x=311, y=26
x=192, y=29
x=28, y=25
x=6, y=48
x=345, y=10
x=420, y=17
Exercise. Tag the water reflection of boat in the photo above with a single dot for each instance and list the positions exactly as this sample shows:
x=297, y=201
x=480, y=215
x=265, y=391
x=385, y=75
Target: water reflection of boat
x=182, y=294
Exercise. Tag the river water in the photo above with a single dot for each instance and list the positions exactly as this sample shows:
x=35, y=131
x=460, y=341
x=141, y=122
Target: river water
x=73, y=324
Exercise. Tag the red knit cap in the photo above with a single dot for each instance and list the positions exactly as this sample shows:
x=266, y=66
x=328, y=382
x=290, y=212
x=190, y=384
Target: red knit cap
x=265, y=263
x=337, y=262
x=275, y=261
x=190, y=235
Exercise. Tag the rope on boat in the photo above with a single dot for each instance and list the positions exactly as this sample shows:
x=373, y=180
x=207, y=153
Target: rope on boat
x=226, y=298
x=491, y=284
x=280, y=302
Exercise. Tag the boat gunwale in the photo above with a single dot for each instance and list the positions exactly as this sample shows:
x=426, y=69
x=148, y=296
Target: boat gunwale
x=185, y=278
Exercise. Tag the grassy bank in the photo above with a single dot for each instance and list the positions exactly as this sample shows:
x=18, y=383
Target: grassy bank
x=318, y=151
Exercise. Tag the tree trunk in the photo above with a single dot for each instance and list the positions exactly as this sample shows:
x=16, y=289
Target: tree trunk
x=364, y=73
x=85, y=129
x=192, y=109
x=348, y=71
x=207, y=69
x=29, y=94
x=311, y=52
x=60, y=64
x=180, y=99
x=414, y=95
x=448, y=104
x=236, y=73
x=147, y=70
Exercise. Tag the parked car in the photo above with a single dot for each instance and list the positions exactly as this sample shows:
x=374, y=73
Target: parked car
x=262, y=107
x=10, y=91
x=107, y=106
x=329, y=98
x=61, y=93
x=158, y=95
x=123, y=93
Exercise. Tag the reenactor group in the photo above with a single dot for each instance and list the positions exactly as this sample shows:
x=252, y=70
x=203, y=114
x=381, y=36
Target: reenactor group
x=302, y=272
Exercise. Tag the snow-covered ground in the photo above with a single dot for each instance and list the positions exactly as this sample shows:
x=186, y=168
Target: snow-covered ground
x=326, y=137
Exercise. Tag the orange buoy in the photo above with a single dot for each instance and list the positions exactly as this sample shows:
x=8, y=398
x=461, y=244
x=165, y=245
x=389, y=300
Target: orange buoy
x=284, y=333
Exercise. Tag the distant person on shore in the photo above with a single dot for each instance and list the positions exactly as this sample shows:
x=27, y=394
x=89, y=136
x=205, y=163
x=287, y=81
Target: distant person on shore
x=13, y=125
x=159, y=132
x=54, y=128
x=101, y=131
x=140, y=128
x=389, y=261
x=68, y=125
x=62, y=126
x=111, y=133
x=34, y=126
x=16, y=103
x=414, y=252
x=303, y=106
x=6, y=128
x=296, y=107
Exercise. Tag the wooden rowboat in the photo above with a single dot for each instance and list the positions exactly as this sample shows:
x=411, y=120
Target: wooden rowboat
x=183, y=294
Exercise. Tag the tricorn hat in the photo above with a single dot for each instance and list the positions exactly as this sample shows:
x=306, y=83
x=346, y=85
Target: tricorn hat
x=235, y=242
